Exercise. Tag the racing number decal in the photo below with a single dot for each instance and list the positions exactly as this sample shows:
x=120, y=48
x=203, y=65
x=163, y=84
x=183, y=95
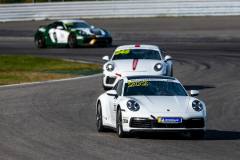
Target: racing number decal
x=122, y=52
x=137, y=83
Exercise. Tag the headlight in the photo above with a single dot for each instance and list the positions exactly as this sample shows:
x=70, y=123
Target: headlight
x=82, y=33
x=133, y=105
x=110, y=67
x=158, y=67
x=197, y=105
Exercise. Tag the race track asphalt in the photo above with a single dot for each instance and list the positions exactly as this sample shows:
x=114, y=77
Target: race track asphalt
x=57, y=120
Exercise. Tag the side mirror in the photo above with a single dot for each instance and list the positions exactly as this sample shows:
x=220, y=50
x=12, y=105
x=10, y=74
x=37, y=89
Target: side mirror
x=60, y=27
x=92, y=26
x=112, y=93
x=105, y=58
x=163, y=51
x=167, y=58
x=194, y=93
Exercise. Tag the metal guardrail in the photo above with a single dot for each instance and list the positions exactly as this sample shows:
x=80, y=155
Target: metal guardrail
x=115, y=9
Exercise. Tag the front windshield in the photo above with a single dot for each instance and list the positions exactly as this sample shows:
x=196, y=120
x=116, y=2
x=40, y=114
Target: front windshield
x=72, y=25
x=136, y=54
x=154, y=87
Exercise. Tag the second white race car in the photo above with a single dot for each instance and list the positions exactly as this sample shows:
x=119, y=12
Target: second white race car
x=151, y=104
x=131, y=60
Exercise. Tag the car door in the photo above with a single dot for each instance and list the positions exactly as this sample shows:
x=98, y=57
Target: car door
x=62, y=34
x=114, y=101
x=52, y=33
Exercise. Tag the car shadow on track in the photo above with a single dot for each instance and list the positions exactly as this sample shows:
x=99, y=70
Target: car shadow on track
x=198, y=87
x=210, y=135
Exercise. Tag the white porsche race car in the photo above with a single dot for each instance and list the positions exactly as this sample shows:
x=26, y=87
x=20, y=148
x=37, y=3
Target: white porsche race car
x=131, y=60
x=151, y=104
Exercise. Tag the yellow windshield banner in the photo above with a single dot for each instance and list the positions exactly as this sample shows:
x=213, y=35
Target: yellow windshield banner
x=68, y=24
x=138, y=83
x=122, y=52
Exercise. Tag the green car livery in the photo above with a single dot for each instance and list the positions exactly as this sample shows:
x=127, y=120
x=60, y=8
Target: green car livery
x=71, y=33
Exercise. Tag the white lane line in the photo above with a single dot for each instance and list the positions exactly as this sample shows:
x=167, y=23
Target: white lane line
x=67, y=79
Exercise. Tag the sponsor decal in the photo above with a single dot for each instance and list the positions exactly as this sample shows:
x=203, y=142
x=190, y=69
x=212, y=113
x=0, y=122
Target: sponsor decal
x=137, y=83
x=122, y=52
x=169, y=120
x=135, y=62
x=69, y=24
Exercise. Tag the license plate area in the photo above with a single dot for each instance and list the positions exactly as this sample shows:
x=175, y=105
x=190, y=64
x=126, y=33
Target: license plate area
x=169, y=120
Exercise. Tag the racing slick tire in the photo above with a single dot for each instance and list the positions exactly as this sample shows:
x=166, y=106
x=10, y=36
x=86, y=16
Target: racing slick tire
x=40, y=41
x=120, y=131
x=72, y=41
x=197, y=135
x=100, y=126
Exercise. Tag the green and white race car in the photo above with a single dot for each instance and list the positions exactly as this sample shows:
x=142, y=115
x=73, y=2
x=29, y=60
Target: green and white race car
x=71, y=33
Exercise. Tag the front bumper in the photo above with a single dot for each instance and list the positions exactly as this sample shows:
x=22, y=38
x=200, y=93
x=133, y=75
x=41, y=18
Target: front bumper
x=153, y=125
x=190, y=122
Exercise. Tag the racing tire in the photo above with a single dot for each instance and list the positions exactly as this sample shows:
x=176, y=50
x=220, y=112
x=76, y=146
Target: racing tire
x=197, y=135
x=120, y=131
x=99, y=122
x=72, y=41
x=40, y=41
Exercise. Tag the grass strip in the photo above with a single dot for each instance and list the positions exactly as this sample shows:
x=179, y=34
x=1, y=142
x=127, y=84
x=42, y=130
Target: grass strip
x=24, y=69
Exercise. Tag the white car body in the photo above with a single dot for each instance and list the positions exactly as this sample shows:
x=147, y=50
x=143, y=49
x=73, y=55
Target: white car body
x=151, y=108
x=126, y=67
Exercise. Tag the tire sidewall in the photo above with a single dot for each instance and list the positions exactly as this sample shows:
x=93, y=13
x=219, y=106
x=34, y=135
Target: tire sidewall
x=43, y=41
x=74, y=45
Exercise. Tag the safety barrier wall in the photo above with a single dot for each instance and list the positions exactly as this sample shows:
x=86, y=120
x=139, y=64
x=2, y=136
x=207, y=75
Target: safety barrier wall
x=114, y=9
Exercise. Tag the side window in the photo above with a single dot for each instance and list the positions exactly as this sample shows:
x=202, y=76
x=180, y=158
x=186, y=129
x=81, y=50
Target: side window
x=114, y=88
x=119, y=87
x=59, y=24
x=52, y=25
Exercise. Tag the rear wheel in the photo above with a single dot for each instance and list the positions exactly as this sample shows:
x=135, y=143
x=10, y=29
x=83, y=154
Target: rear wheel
x=120, y=131
x=72, y=41
x=100, y=127
x=40, y=41
x=197, y=135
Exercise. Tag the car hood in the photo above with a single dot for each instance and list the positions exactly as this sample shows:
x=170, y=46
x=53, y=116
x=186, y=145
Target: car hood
x=92, y=31
x=162, y=104
x=130, y=65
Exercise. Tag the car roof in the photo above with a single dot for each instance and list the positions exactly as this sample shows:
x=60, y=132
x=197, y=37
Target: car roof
x=145, y=77
x=68, y=21
x=142, y=46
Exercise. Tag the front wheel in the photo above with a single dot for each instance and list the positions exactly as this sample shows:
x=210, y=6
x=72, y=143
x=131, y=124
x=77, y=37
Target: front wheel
x=72, y=41
x=197, y=135
x=40, y=41
x=120, y=131
x=100, y=127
